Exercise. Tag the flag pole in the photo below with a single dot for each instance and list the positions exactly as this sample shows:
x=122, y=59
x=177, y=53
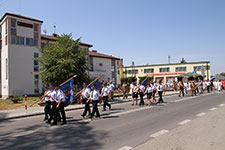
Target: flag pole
x=144, y=80
x=59, y=85
x=87, y=86
x=68, y=80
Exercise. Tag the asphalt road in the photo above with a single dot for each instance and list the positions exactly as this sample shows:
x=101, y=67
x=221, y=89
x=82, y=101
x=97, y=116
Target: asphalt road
x=123, y=127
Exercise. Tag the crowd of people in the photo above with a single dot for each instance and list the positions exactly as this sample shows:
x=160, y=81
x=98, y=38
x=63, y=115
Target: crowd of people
x=55, y=98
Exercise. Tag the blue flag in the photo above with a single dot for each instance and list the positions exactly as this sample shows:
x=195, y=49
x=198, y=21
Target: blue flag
x=67, y=89
x=145, y=83
x=96, y=83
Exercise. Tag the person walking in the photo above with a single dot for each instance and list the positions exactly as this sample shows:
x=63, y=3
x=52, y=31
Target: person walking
x=208, y=83
x=149, y=92
x=124, y=89
x=94, y=99
x=46, y=98
x=134, y=93
x=105, y=94
x=60, y=100
x=154, y=88
x=85, y=93
x=111, y=88
x=52, y=96
x=193, y=88
x=181, y=87
x=141, y=91
x=160, y=90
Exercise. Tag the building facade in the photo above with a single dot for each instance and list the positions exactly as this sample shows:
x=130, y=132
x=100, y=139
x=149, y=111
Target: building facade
x=20, y=41
x=169, y=72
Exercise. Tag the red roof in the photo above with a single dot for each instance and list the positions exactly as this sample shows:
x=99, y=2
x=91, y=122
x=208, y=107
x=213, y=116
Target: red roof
x=96, y=54
x=53, y=38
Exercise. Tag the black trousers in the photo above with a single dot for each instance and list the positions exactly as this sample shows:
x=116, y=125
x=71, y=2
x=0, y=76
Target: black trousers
x=62, y=111
x=182, y=91
x=47, y=109
x=105, y=99
x=160, y=97
x=95, y=108
x=53, y=114
x=208, y=89
x=142, y=100
x=86, y=108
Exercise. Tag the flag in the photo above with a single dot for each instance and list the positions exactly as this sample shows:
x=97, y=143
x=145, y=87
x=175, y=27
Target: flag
x=145, y=83
x=96, y=83
x=67, y=89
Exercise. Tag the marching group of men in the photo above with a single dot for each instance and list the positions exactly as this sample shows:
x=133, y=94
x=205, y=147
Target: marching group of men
x=55, y=98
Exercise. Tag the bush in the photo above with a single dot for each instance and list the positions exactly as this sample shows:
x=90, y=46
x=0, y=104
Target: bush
x=16, y=99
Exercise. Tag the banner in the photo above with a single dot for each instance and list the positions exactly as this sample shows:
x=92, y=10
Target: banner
x=145, y=83
x=67, y=89
x=96, y=83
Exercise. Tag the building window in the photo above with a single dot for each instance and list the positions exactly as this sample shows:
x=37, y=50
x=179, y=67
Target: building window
x=135, y=71
x=36, y=81
x=197, y=68
x=0, y=39
x=181, y=69
x=36, y=63
x=149, y=70
x=21, y=40
x=6, y=27
x=13, y=26
x=28, y=41
x=36, y=27
x=164, y=69
x=6, y=40
x=13, y=39
x=35, y=42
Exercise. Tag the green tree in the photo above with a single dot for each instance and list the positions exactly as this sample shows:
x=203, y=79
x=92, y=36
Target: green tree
x=62, y=60
x=222, y=74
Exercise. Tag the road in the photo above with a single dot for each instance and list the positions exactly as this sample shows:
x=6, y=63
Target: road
x=124, y=127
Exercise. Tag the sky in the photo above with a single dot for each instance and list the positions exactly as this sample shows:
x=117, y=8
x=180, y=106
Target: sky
x=143, y=31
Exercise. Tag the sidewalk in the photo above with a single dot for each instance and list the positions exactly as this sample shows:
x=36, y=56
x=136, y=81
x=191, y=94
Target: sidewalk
x=34, y=111
x=204, y=133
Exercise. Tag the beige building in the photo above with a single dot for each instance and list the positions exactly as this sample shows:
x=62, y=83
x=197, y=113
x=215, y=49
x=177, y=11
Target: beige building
x=170, y=72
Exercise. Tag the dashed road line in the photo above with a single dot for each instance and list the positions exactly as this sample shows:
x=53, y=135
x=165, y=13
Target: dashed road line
x=184, y=122
x=214, y=108
x=221, y=105
x=159, y=133
x=125, y=148
x=201, y=114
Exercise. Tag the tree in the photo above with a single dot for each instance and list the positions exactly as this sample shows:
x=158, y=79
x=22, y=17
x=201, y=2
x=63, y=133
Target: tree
x=62, y=60
x=183, y=61
x=222, y=74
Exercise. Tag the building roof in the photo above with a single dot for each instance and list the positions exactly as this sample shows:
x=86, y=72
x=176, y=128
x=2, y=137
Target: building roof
x=153, y=65
x=53, y=38
x=96, y=54
x=20, y=16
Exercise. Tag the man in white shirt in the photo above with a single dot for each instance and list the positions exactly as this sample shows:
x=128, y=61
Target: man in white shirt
x=111, y=88
x=134, y=93
x=160, y=90
x=94, y=98
x=86, y=91
x=208, y=83
x=141, y=93
x=52, y=95
x=46, y=98
x=60, y=100
x=105, y=92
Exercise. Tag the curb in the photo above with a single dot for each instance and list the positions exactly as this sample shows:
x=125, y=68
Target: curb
x=69, y=109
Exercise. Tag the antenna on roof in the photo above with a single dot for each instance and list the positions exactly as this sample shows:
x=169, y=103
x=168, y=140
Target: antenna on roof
x=169, y=59
x=54, y=27
x=45, y=31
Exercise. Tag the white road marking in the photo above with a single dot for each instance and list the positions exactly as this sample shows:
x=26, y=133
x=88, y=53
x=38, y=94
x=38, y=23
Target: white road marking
x=184, y=122
x=159, y=133
x=212, y=108
x=201, y=114
x=221, y=105
x=125, y=148
x=23, y=133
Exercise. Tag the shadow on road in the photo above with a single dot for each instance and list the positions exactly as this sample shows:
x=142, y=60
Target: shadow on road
x=78, y=136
